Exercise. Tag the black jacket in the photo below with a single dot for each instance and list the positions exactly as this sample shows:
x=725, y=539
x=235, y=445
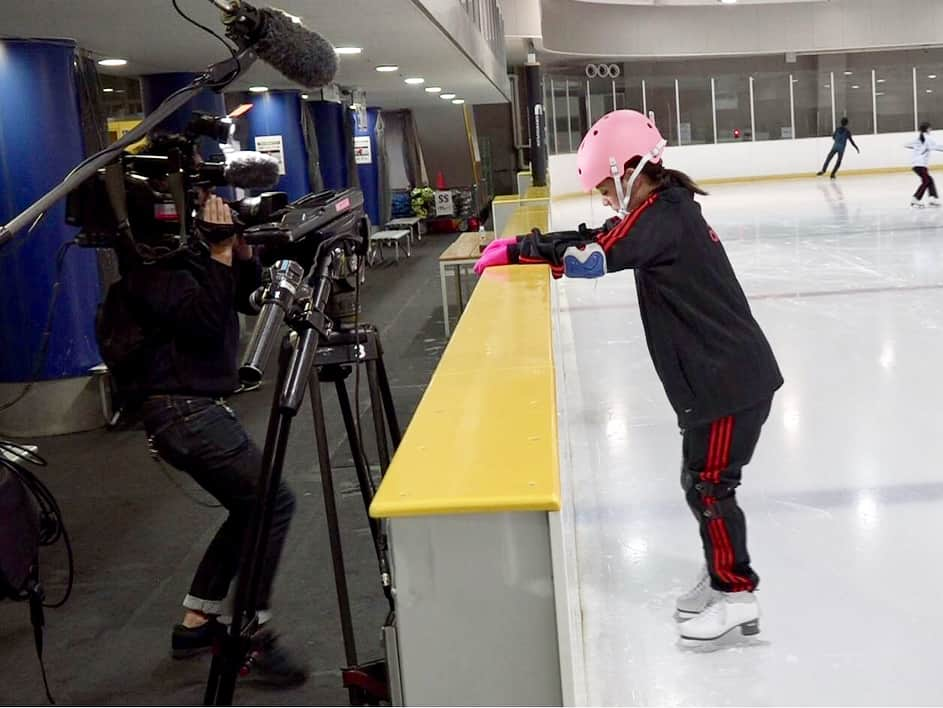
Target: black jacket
x=193, y=301
x=708, y=350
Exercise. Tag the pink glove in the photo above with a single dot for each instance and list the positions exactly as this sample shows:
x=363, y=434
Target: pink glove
x=497, y=256
x=498, y=242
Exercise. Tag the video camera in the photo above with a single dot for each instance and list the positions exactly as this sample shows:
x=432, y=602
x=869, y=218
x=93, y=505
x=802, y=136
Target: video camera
x=144, y=205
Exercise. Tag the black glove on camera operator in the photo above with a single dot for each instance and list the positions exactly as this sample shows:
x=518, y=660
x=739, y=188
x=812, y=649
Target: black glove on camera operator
x=194, y=300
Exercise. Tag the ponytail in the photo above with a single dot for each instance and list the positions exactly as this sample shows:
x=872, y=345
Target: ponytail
x=663, y=177
x=677, y=177
x=924, y=127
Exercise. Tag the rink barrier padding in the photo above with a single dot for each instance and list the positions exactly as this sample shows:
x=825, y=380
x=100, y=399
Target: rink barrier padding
x=769, y=178
x=484, y=437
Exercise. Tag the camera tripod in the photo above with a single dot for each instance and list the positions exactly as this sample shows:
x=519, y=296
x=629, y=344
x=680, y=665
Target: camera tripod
x=307, y=359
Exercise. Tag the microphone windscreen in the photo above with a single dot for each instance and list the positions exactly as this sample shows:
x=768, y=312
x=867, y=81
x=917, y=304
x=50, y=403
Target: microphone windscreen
x=298, y=53
x=251, y=170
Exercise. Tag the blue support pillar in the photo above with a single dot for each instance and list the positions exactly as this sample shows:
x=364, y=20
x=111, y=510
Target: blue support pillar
x=40, y=142
x=329, y=124
x=278, y=113
x=370, y=172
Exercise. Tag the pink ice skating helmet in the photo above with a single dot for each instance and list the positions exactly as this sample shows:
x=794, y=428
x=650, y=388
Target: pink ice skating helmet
x=615, y=139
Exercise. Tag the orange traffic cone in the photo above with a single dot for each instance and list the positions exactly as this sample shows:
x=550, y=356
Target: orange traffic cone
x=440, y=181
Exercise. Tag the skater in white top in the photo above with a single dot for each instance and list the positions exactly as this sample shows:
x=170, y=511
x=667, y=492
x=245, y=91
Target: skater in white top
x=922, y=145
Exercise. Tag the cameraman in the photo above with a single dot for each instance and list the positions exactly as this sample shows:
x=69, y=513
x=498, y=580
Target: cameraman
x=192, y=299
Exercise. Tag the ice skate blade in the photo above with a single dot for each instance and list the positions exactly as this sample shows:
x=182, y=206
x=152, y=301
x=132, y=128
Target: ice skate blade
x=747, y=629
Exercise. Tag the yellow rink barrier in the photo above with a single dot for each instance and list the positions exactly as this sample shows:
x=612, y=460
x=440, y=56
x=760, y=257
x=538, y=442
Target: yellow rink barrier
x=484, y=437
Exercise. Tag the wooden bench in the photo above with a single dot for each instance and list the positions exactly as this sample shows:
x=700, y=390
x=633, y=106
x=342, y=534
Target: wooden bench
x=463, y=253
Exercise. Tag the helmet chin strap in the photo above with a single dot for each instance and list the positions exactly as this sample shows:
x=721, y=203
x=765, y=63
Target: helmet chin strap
x=624, y=196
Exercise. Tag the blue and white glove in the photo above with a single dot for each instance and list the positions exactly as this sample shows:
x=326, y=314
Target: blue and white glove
x=587, y=261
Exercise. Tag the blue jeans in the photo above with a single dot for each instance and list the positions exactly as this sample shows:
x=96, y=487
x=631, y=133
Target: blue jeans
x=203, y=438
x=841, y=155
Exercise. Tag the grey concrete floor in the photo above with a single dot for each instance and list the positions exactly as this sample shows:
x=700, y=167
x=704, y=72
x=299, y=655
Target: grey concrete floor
x=138, y=534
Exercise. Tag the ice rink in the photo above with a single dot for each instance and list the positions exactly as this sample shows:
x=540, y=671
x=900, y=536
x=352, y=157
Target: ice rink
x=844, y=495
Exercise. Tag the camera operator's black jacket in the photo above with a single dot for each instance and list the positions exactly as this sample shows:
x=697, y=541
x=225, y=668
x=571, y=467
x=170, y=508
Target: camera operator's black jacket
x=192, y=301
x=708, y=350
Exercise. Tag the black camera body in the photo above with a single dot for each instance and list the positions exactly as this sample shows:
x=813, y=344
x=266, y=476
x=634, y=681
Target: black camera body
x=145, y=205
x=329, y=224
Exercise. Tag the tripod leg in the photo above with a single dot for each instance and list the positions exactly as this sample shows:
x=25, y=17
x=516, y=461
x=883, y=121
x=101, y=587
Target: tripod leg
x=225, y=667
x=333, y=525
x=356, y=450
x=388, y=406
x=376, y=406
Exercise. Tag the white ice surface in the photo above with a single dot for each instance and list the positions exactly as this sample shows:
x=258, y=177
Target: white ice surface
x=844, y=497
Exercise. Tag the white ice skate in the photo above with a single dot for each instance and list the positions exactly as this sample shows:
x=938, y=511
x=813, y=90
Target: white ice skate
x=696, y=600
x=728, y=611
x=934, y=202
x=914, y=202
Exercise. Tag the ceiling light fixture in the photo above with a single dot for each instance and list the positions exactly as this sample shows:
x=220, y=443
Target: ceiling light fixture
x=415, y=81
x=349, y=51
x=258, y=89
x=855, y=86
x=458, y=101
x=931, y=76
x=728, y=2
x=112, y=62
x=881, y=81
x=433, y=89
x=929, y=90
x=108, y=90
x=387, y=68
x=849, y=73
x=305, y=97
x=447, y=96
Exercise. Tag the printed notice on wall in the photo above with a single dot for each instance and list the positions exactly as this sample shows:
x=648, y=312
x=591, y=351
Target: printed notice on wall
x=443, y=204
x=363, y=153
x=272, y=146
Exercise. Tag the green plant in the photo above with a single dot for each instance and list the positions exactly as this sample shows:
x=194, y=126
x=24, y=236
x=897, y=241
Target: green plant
x=422, y=200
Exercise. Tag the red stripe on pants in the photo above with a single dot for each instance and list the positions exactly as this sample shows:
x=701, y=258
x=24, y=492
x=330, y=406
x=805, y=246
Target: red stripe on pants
x=719, y=532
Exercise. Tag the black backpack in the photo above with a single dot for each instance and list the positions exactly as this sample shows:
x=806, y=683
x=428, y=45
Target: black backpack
x=126, y=340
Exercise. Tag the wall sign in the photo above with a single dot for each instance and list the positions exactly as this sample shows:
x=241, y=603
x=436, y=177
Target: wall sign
x=443, y=203
x=272, y=146
x=363, y=151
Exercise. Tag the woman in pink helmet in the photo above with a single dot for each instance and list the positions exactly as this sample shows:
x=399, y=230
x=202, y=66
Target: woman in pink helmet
x=716, y=365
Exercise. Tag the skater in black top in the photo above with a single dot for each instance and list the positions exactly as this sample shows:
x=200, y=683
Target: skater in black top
x=841, y=139
x=716, y=365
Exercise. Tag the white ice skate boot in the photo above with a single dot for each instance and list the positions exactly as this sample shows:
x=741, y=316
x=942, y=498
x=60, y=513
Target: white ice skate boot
x=727, y=612
x=914, y=202
x=696, y=600
x=934, y=202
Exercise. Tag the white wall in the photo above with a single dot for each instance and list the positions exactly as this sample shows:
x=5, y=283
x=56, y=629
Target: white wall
x=758, y=159
x=521, y=18
x=839, y=25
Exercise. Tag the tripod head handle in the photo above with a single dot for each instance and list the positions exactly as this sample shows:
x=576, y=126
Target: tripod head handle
x=275, y=302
